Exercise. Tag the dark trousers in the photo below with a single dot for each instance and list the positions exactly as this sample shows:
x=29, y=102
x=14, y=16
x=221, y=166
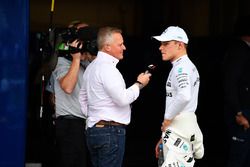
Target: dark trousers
x=239, y=153
x=71, y=142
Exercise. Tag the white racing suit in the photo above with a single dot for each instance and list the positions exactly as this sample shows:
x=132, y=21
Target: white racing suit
x=182, y=141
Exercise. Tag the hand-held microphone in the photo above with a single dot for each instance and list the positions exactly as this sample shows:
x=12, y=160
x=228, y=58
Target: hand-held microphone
x=150, y=68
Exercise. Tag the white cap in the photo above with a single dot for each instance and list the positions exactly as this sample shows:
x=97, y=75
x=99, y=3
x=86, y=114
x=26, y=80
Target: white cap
x=173, y=33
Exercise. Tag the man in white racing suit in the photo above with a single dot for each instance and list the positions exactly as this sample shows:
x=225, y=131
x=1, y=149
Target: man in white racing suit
x=181, y=136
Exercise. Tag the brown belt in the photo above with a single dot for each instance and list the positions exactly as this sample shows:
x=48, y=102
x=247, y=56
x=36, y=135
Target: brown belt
x=103, y=123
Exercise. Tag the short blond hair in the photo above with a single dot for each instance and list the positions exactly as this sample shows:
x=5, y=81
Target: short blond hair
x=105, y=35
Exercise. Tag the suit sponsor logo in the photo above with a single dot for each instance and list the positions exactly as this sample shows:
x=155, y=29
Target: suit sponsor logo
x=179, y=70
x=169, y=94
x=169, y=84
x=165, y=138
x=177, y=142
x=197, y=81
x=182, y=80
x=185, y=147
x=192, y=138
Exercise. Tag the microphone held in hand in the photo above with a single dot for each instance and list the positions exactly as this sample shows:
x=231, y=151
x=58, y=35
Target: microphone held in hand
x=150, y=68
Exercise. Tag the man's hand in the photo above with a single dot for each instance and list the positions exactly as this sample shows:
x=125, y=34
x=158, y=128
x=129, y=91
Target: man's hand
x=157, y=149
x=165, y=124
x=241, y=120
x=144, y=78
x=78, y=45
x=68, y=82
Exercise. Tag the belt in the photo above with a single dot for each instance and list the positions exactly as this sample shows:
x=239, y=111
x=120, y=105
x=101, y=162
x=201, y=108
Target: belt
x=72, y=117
x=103, y=123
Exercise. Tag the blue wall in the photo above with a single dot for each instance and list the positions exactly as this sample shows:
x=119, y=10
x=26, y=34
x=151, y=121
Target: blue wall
x=13, y=81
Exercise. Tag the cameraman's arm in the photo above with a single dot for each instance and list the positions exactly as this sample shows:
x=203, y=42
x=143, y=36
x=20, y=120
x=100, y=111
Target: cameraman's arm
x=69, y=81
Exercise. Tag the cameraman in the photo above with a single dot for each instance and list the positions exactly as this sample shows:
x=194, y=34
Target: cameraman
x=70, y=121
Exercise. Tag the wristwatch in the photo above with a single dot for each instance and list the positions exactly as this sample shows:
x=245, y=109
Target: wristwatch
x=139, y=84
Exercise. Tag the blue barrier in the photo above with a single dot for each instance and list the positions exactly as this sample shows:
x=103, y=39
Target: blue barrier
x=14, y=28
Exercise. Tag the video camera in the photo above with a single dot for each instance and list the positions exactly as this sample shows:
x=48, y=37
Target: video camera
x=86, y=36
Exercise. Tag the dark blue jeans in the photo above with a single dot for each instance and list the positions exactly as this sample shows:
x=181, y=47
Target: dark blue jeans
x=106, y=145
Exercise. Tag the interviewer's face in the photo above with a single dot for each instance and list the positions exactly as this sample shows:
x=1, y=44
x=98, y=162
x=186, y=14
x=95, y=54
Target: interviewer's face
x=117, y=46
